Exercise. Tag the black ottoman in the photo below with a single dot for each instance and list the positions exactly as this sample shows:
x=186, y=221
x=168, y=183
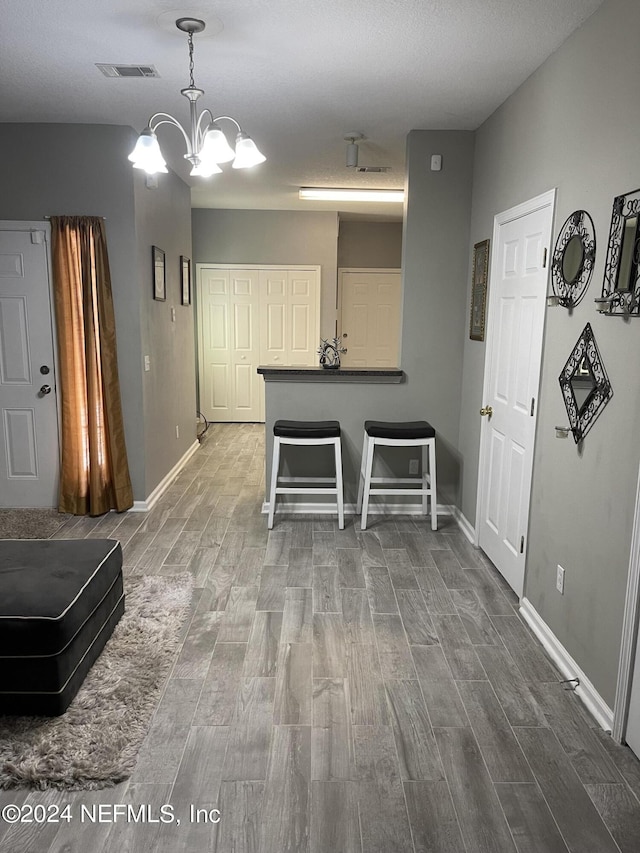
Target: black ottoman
x=60, y=600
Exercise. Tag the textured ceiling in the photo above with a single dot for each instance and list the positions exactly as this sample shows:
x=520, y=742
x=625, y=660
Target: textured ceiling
x=297, y=75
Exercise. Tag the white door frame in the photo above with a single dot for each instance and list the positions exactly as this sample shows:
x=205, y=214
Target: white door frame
x=45, y=226
x=629, y=631
x=520, y=210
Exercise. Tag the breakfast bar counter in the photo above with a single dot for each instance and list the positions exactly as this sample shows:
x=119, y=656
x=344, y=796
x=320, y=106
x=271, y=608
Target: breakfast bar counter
x=281, y=373
x=349, y=395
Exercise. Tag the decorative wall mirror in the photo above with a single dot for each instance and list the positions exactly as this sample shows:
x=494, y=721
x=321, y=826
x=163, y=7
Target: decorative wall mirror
x=573, y=259
x=621, y=285
x=585, y=385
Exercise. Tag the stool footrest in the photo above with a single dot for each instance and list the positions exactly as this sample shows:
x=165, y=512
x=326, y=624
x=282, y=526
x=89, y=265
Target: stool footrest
x=400, y=491
x=302, y=491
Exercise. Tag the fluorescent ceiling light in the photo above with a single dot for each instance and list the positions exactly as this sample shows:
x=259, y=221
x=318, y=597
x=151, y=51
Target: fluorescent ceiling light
x=328, y=194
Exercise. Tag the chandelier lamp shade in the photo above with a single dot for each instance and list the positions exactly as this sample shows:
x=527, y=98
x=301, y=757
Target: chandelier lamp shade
x=207, y=144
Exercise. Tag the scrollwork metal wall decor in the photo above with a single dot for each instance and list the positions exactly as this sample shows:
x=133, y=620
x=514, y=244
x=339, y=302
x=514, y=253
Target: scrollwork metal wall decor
x=621, y=285
x=584, y=373
x=573, y=259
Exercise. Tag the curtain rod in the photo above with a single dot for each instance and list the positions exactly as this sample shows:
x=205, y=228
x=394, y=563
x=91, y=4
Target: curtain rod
x=99, y=217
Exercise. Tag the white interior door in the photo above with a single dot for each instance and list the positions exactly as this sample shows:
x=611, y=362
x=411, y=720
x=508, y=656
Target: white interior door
x=518, y=288
x=228, y=304
x=29, y=454
x=289, y=316
x=370, y=303
x=632, y=733
x=303, y=296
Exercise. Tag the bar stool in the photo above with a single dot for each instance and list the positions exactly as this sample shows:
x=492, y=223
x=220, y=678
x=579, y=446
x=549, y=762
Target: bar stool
x=407, y=434
x=312, y=433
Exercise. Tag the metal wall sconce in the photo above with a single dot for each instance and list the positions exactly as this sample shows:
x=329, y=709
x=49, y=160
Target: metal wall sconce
x=621, y=286
x=573, y=259
x=585, y=386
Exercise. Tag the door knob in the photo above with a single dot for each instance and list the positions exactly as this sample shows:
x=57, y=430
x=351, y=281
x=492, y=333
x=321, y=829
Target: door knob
x=486, y=410
x=46, y=389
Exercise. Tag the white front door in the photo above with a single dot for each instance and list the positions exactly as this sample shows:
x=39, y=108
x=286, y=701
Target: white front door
x=228, y=304
x=29, y=454
x=518, y=289
x=370, y=317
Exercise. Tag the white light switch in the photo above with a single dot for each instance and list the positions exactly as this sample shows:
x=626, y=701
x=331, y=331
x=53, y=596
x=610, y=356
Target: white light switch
x=173, y=314
x=436, y=162
x=147, y=363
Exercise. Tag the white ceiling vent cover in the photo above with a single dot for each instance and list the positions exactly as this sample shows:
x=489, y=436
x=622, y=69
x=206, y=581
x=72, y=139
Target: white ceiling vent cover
x=127, y=70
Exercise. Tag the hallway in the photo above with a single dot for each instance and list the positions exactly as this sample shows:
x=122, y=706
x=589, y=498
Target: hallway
x=346, y=692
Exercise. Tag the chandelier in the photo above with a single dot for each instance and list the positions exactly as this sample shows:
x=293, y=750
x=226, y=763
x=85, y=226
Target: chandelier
x=207, y=145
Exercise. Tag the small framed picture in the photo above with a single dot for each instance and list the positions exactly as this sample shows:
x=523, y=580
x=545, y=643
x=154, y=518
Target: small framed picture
x=159, y=274
x=480, y=275
x=185, y=279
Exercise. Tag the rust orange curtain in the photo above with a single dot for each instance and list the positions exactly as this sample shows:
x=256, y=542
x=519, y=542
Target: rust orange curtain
x=94, y=476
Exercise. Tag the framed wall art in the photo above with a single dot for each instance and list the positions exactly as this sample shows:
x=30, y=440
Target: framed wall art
x=185, y=280
x=480, y=275
x=159, y=274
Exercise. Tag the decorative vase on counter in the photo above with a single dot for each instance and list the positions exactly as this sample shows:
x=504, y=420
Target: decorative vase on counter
x=330, y=352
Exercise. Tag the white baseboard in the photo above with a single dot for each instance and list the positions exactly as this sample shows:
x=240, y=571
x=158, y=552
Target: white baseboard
x=465, y=525
x=590, y=697
x=163, y=485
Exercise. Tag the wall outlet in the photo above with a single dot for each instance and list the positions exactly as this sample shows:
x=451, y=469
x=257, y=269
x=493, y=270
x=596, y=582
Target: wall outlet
x=147, y=363
x=413, y=466
x=560, y=580
x=177, y=431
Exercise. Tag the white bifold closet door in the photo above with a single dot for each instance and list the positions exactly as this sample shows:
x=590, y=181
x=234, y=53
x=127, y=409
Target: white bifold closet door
x=246, y=317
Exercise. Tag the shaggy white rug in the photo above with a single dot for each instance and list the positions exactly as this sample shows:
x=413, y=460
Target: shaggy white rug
x=95, y=743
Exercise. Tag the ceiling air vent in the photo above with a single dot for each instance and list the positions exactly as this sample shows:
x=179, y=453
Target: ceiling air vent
x=127, y=70
x=374, y=169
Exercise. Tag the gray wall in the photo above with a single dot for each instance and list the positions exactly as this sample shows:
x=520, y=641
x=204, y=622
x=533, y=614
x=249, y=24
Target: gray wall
x=573, y=125
x=370, y=244
x=436, y=237
x=272, y=237
x=55, y=169
x=163, y=219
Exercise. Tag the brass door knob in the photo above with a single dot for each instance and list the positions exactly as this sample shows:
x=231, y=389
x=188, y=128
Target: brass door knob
x=486, y=410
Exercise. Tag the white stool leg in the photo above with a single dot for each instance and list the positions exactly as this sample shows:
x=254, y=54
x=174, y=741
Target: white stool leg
x=339, y=487
x=432, y=484
x=425, y=477
x=275, y=464
x=363, y=465
x=367, y=482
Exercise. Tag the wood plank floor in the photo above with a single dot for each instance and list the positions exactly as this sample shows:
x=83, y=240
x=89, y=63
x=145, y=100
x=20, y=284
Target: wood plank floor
x=343, y=692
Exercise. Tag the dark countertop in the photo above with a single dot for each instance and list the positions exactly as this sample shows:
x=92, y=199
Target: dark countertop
x=282, y=373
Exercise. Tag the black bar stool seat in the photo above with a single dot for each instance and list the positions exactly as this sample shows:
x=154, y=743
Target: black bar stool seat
x=401, y=429
x=307, y=429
